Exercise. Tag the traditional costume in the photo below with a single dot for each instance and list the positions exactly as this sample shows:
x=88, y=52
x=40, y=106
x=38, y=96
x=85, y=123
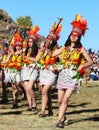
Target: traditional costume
x=47, y=77
x=69, y=77
x=29, y=71
x=14, y=64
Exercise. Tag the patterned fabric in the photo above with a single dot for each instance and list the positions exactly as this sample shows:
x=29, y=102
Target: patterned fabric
x=47, y=61
x=69, y=77
x=66, y=79
x=14, y=63
x=73, y=57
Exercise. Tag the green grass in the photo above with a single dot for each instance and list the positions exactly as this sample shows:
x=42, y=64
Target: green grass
x=82, y=113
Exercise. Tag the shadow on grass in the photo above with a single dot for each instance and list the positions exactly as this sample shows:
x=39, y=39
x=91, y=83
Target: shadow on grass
x=11, y=113
x=83, y=111
x=91, y=86
x=93, y=118
x=77, y=105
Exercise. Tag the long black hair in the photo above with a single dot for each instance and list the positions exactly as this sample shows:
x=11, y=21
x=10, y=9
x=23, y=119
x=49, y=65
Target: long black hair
x=15, y=48
x=34, y=50
x=77, y=45
x=53, y=44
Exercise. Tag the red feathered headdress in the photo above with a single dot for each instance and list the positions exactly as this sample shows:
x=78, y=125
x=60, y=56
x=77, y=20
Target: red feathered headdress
x=79, y=25
x=55, y=31
x=33, y=33
x=16, y=40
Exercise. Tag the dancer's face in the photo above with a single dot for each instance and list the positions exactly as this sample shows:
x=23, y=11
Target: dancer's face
x=30, y=42
x=48, y=41
x=74, y=37
x=18, y=47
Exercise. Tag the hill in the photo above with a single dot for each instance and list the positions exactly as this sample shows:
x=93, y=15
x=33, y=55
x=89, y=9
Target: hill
x=5, y=22
x=7, y=25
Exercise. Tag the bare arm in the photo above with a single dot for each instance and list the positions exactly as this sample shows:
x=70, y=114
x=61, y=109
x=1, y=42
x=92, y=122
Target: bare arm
x=21, y=51
x=30, y=58
x=56, y=52
x=41, y=54
x=7, y=59
x=88, y=59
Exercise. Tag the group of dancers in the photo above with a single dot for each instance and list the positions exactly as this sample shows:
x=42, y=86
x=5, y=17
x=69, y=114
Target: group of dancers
x=25, y=63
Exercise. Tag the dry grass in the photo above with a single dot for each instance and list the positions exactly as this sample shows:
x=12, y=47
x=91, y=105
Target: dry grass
x=82, y=114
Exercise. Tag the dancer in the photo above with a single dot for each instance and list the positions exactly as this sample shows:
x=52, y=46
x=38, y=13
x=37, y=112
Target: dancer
x=4, y=75
x=48, y=74
x=29, y=73
x=72, y=54
x=14, y=66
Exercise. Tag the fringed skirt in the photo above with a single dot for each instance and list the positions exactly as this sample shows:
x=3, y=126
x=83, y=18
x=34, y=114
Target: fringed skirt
x=12, y=77
x=46, y=77
x=29, y=72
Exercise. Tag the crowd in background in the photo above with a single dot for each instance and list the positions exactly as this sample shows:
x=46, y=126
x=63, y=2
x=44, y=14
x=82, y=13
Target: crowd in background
x=94, y=69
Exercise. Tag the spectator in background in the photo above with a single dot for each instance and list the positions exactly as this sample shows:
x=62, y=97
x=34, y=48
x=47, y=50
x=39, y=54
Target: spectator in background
x=94, y=55
x=93, y=75
x=5, y=47
x=90, y=51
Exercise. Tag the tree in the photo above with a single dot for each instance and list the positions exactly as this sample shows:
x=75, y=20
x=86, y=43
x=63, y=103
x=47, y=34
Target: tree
x=24, y=22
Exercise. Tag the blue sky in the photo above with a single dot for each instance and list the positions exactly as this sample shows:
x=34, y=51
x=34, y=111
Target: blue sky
x=45, y=12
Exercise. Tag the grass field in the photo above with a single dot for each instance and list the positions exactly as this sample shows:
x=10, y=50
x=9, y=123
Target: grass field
x=82, y=113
